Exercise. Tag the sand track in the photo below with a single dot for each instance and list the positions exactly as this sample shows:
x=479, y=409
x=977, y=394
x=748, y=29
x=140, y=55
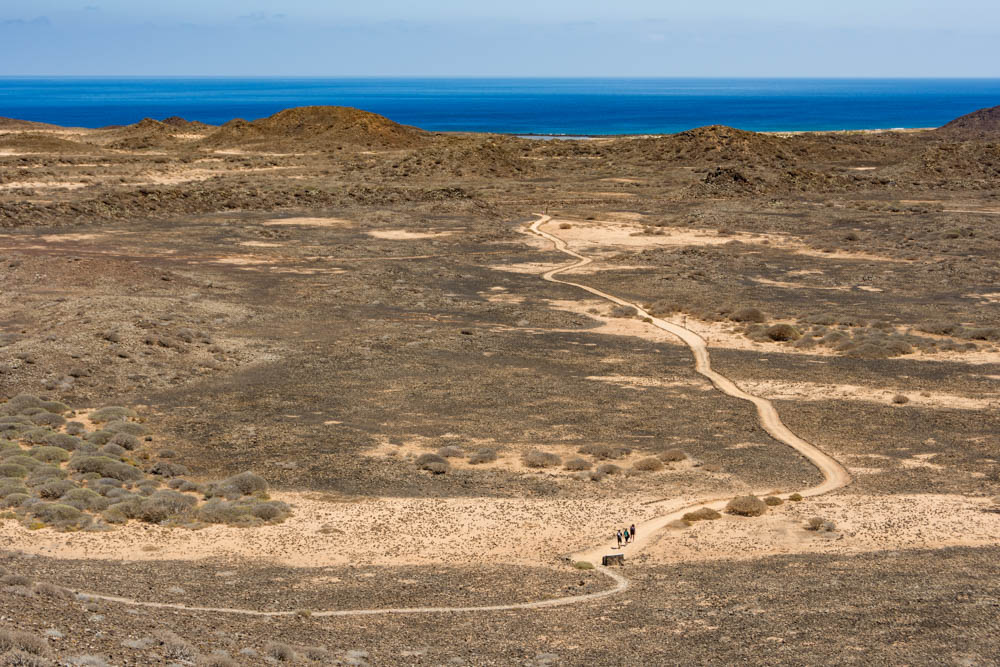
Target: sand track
x=835, y=476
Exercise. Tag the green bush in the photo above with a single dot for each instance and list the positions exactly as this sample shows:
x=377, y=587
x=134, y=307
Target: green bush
x=75, y=428
x=85, y=499
x=20, y=402
x=54, y=490
x=128, y=428
x=583, y=565
x=106, y=467
x=45, y=473
x=56, y=513
x=48, y=454
x=773, y=501
x=98, y=438
x=13, y=470
x=22, y=460
x=746, y=506
x=9, y=486
x=795, y=497
x=245, y=484
x=37, y=436
x=63, y=441
x=165, y=504
x=16, y=499
x=48, y=419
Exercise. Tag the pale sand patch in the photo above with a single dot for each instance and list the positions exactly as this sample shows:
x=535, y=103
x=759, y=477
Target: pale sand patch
x=405, y=235
x=241, y=260
x=992, y=297
x=509, y=457
x=502, y=297
x=398, y=531
x=72, y=238
x=588, y=236
x=815, y=391
x=787, y=285
x=261, y=244
x=864, y=523
x=623, y=180
x=308, y=222
x=614, y=326
x=41, y=185
x=638, y=382
x=862, y=168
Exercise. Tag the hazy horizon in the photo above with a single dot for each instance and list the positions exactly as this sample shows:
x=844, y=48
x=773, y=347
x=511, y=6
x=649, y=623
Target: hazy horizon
x=452, y=39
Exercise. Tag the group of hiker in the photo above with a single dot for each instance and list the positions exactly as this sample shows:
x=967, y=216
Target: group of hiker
x=628, y=534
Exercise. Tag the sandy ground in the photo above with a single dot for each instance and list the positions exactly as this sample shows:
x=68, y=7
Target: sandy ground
x=814, y=391
x=863, y=523
x=329, y=530
x=405, y=235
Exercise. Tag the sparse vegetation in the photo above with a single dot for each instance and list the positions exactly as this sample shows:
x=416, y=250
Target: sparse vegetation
x=578, y=463
x=583, y=565
x=673, y=456
x=819, y=524
x=481, y=456
x=795, y=497
x=773, y=501
x=900, y=399
x=783, y=333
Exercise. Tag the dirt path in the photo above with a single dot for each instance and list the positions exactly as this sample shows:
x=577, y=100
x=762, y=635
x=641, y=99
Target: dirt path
x=835, y=476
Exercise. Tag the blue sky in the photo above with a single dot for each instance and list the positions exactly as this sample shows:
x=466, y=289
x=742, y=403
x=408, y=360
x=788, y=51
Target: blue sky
x=722, y=38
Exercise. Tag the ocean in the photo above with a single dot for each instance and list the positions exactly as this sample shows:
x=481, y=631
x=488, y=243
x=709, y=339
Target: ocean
x=515, y=106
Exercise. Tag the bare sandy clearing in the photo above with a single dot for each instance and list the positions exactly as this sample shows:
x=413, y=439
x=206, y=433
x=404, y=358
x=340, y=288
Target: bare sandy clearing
x=308, y=222
x=405, y=235
x=863, y=523
x=813, y=391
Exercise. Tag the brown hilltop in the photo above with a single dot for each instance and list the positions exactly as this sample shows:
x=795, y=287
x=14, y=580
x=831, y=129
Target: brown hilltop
x=317, y=127
x=985, y=122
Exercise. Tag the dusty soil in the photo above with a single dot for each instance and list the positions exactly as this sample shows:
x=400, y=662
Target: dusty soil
x=323, y=297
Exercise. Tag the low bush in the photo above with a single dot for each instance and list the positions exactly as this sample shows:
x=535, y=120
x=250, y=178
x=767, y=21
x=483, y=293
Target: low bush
x=174, y=647
x=75, y=428
x=648, y=464
x=673, y=456
x=244, y=484
x=578, y=463
x=15, y=640
x=484, y=455
x=602, y=452
x=22, y=460
x=13, y=470
x=900, y=399
x=48, y=590
x=85, y=499
x=165, y=504
x=280, y=652
x=16, y=499
x=782, y=333
x=63, y=441
x=795, y=497
x=112, y=451
x=59, y=515
x=773, y=501
x=624, y=311
x=128, y=428
x=45, y=473
x=746, y=506
x=748, y=315
x=54, y=490
x=98, y=438
x=48, y=419
x=539, y=459
x=583, y=565
x=168, y=470
x=9, y=486
x=125, y=441
x=608, y=469
x=48, y=454
x=703, y=514
x=451, y=452
x=106, y=467
x=111, y=413
x=820, y=525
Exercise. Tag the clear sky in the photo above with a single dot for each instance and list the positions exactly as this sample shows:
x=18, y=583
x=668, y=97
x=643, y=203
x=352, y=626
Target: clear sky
x=723, y=38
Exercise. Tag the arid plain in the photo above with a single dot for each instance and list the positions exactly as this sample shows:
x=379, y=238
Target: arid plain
x=326, y=389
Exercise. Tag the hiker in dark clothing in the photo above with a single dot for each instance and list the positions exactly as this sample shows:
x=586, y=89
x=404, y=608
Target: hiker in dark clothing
x=626, y=536
x=619, y=534
x=631, y=531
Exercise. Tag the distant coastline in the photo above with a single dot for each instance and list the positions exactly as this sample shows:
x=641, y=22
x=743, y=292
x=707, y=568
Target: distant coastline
x=540, y=108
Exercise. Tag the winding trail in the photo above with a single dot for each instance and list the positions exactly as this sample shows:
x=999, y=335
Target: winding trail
x=835, y=476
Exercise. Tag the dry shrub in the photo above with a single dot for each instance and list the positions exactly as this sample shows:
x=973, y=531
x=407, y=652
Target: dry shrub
x=106, y=467
x=125, y=441
x=432, y=463
x=54, y=490
x=451, y=452
x=540, y=459
x=126, y=427
x=703, y=514
x=565, y=225
x=819, y=524
x=85, y=499
x=56, y=513
x=599, y=451
x=795, y=497
x=165, y=504
x=13, y=470
x=75, y=428
x=746, y=506
x=900, y=399
x=608, y=469
x=15, y=640
x=578, y=463
x=748, y=315
x=48, y=590
x=280, y=652
x=18, y=658
x=47, y=454
x=583, y=565
x=673, y=456
x=87, y=660
x=243, y=484
x=216, y=660
x=13, y=580
x=484, y=455
x=175, y=647
x=111, y=413
x=782, y=333
x=773, y=501
x=648, y=464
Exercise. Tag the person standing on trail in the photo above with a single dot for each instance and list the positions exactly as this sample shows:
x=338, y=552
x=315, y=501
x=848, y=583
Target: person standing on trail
x=619, y=535
x=631, y=532
x=626, y=536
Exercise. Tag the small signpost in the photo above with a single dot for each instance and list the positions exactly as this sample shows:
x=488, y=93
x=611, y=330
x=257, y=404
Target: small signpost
x=613, y=559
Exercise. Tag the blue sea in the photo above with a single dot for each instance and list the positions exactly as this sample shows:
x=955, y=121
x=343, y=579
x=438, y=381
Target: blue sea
x=516, y=106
